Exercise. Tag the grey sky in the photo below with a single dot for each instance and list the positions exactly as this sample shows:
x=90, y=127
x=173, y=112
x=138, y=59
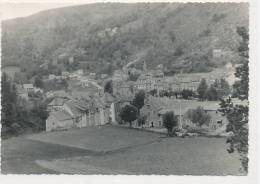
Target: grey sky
x=14, y=10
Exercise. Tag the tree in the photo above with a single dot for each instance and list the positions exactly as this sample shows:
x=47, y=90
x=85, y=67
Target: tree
x=141, y=120
x=109, y=87
x=129, y=114
x=221, y=87
x=153, y=92
x=133, y=76
x=198, y=116
x=163, y=93
x=20, y=78
x=179, y=51
x=202, y=89
x=38, y=82
x=237, y=114
x=9, y=102
x=138, y=100
x=225, y=88
x=169, y=122
x=186, y=93
x=211, y=93
x=16, y=116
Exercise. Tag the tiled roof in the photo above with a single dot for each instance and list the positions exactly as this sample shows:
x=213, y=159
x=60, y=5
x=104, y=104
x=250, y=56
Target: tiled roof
x=108, y=98
x=185, y=105
x=60, y=93
x=57, y=102
x=125, y=97
x=75, y=108
x=61, y=115
x=26, y=86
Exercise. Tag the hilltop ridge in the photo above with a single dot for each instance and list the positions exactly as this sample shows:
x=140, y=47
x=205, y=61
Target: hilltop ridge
x=107, y=36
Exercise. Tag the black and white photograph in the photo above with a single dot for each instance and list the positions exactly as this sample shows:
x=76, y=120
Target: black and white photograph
x=110, y=88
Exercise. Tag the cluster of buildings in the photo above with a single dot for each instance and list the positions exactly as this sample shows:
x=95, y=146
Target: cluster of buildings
x=24, y=91
x=155, y=80
x=78, y=110
x=155, y=107
x=84, y=103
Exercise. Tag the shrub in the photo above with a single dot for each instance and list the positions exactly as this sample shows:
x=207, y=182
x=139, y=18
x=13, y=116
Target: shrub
x=198, y=116
x=186, y=93
x=129, y=114
x=169, y=122
x=202, y=89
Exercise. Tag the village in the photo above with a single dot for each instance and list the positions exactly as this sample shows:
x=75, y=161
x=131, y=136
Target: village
x=117, y=117
x=84, y=101
x=126, y=89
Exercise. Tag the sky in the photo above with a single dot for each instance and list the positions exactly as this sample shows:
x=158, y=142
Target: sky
x=15, y=10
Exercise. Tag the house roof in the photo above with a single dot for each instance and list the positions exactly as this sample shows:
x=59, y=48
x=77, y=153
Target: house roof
x=77, y=94
x=125, y=97
x=74, y=107
x=237, y=101
x=20, y=89
x=60, y=93
x=56, y=102
x=26, y=86
x=108, y=98
x=182, y=105
x=61, y=115
x=79, y=106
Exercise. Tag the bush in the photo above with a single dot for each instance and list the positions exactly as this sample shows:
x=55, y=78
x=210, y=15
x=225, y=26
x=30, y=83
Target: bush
x=202, y=89
x=212, y=94
x=108, y=88
x=169, y=122
x=186, y=93
x=198, y=116
x=141, y=120
x=138, y=100
x=129, y=114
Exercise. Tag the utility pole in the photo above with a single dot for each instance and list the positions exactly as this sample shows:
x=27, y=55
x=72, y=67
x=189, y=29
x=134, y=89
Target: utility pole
x=180, y=119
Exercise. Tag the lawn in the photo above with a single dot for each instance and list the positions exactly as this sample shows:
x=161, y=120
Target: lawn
x=99, y=139
x=178, y=156
x=18, y=155
x=117, y=150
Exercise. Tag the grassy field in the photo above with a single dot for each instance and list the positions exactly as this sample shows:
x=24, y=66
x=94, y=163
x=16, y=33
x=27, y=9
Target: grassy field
x=115, y=150
x=99, y=139
x=178, y=156
x=18, y=155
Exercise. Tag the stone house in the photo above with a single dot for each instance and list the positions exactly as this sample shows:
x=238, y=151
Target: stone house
x=65, y=75
x=109, y=108
x=56, y=104
x=123, y=88
x=28, y=87
x=103, y=76
x=59, y=120
x=119, y=75
x=21, y=92
x=79, y=113
x=145, y=82
x=151, y=110
x=154, y=108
